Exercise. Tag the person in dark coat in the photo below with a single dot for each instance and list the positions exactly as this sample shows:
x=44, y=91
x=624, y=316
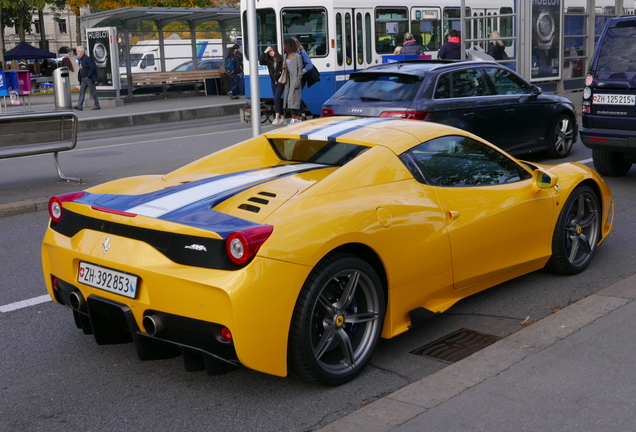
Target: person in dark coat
x=496, y=47
x=274, y=62
x=451, y=49
x=87, y=76
x=237, y=75
x=410, y=46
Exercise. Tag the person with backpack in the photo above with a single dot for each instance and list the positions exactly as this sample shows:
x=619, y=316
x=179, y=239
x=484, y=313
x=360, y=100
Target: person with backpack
x=234, y=68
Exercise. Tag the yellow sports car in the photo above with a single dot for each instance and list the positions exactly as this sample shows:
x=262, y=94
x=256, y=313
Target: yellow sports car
x=295, y=251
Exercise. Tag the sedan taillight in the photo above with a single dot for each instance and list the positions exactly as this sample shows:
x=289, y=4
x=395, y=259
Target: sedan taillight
x=243, y=245
x=412, y=115
x=56, y=204
x=327, y=112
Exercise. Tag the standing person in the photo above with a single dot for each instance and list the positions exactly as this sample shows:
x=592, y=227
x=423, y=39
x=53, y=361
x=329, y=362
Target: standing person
x=87, y=76
x=307, y=63
x=293, y=83
x=410, y=46
x=451, y=48
x=496, y=47
x=236, y=74
x=239, y=54
x=274, y=62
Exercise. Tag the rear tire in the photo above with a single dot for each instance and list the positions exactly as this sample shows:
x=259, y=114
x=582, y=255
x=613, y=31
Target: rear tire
x=611, y=164
x=562, y=138
x=577, y=232
x=337, y=321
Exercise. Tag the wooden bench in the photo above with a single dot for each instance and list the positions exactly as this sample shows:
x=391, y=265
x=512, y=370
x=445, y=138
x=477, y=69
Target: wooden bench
x=37, y=133
x=173, y=78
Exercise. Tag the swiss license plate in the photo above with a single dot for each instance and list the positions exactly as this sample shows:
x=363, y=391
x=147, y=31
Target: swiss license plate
x=108, y=280
x=614, y=99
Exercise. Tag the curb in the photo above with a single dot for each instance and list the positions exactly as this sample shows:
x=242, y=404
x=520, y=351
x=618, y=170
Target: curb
x=409, y=402
x=154, y=117
x=26, y=206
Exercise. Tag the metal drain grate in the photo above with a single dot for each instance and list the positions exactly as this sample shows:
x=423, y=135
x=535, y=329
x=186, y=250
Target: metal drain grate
x=456, y=346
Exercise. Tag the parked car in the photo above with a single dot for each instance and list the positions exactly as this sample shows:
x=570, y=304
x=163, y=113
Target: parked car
x=609, y=99
x=482, y=97
x=204, y=64
x=295, y=251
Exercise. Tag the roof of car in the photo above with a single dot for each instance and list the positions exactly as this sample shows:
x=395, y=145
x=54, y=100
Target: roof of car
x=419, y=67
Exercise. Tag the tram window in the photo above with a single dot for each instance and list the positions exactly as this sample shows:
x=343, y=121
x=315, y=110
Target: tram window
x=427, y=32
x=309, y=26
x=359, y=39
x=348, y=42
x=505, y=25
x=265, y=30
x=390, y=26
x=452, y=20
x=367, y=29
x=339, y=38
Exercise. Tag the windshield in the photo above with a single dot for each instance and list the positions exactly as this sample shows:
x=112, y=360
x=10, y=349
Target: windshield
x=134, y=60
x=617, y=55
x=321, y=152
x=379, y=87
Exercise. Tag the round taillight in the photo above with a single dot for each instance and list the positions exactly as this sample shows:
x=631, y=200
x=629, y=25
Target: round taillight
x=587, y=93
x=226, y=334
x=243, y=245
x=56, y=209
x=589, y=80
x=236, y=248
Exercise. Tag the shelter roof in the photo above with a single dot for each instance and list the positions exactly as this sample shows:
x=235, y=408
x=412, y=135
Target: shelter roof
x=131, y=15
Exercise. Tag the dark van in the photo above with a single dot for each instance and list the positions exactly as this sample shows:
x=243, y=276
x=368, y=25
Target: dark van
x=609, y=99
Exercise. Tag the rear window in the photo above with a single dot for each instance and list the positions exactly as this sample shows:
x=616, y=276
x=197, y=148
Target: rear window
x=320, y=152
x=369, y=87
x=617, y=54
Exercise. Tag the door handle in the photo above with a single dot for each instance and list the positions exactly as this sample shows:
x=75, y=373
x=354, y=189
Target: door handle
x=510, y=111
x=469, y=115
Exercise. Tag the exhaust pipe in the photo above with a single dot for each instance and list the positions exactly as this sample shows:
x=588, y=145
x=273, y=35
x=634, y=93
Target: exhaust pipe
x=153, y=325
x=76, y=300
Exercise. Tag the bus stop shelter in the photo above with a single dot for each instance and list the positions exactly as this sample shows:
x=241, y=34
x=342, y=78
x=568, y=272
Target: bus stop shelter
x=127, y=21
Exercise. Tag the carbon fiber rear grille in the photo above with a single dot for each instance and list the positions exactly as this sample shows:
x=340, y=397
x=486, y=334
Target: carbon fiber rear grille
x=182, y=249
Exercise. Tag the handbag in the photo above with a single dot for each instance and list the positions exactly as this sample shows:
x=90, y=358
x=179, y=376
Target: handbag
x=283, y=77
x=311, y=77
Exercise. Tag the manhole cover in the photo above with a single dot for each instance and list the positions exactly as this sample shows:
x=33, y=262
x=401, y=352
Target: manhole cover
x=457, y=345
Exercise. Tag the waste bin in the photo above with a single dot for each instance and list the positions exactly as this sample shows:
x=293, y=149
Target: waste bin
x=62, y=88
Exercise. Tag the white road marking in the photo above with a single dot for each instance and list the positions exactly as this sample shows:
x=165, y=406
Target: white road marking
x=25, y=303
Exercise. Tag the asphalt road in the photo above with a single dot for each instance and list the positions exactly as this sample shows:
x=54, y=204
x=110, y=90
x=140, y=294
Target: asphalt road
x=54, y=378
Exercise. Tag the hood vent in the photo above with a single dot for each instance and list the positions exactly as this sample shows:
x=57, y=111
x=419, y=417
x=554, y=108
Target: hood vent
x=257, y=200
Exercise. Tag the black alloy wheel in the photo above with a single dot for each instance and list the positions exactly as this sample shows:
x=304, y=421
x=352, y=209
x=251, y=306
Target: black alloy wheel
x=577, y=232
x=337, y=321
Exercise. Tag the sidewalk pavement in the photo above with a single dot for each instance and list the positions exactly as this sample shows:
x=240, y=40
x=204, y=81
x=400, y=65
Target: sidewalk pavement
x=136, y=113
x=572, y=371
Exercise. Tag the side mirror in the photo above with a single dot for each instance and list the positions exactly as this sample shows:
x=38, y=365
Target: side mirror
x=544, y=180
x=534, y=92
x=142, y=64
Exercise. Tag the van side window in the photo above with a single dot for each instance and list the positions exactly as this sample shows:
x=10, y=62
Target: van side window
x=617, y=52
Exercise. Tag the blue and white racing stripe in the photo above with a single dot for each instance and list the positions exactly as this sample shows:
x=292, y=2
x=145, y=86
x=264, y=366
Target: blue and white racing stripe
x=180, y=198
x=334, y=130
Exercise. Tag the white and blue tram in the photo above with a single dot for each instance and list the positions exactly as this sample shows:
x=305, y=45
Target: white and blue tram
x=343, y=36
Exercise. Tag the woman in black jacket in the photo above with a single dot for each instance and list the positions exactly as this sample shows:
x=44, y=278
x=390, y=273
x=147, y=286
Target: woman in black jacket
x=274, y=62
